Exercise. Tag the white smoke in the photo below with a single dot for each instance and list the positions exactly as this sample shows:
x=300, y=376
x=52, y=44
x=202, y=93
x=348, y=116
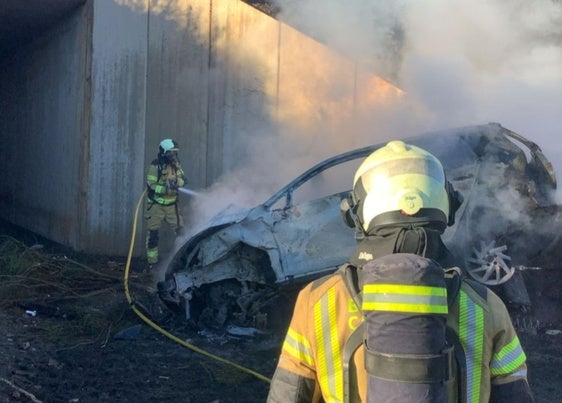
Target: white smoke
x=487, y=60
x=459, y=63
x=473, y=58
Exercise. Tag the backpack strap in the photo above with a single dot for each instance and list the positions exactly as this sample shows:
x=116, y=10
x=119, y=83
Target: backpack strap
x=355, y=340
x=453, y=281
x=478, y=288
x=150, y=191
x=409, y=368
x=456, y=389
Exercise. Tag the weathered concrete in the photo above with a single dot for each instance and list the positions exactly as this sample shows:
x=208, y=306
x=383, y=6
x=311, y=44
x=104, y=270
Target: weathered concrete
x=21, y=21
x=84, y=107
x=43, y=94
x=117, y=133
x=177, y=86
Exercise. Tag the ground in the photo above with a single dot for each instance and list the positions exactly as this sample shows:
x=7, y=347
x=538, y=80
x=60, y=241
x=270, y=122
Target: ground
x=147, y=368
x=69, y=334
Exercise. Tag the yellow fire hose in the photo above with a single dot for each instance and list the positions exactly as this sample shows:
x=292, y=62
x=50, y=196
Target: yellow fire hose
x=158, y=328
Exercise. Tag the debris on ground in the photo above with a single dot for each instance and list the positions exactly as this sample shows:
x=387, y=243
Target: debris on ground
x=68, y=334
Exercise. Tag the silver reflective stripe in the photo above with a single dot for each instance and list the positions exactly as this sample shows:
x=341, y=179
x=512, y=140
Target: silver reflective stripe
x=508, y=359
x=297, y=345
x=519, y=374
x=471, y=335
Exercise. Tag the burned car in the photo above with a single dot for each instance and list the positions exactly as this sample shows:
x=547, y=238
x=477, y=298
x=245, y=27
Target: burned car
x=235, y=270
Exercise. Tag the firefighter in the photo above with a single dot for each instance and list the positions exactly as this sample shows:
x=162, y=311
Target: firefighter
x=402, y=203
x=163, y=179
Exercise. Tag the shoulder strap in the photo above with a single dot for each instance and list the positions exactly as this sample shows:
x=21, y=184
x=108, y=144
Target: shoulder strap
x=460, y=367
x=351, y=394
x=480, y=289
x=453, y=280
x=351, y=281
x=159, y=172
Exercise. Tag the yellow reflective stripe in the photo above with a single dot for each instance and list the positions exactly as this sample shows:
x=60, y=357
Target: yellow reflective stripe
x=471, y=335
x=508, y=359
x=405, y=298
x=329, y=365
x=298, y=346
x=405, y=289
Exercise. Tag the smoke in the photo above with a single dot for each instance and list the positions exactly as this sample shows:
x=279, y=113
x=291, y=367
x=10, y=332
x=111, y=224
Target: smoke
x=458, y=63
x=486, y=60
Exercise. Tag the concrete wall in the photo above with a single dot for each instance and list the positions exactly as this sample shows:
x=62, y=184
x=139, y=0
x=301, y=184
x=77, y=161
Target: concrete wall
x=117, y=132
x=177, y=85
x=206, y=81
x=43, y=94
x=84, y=107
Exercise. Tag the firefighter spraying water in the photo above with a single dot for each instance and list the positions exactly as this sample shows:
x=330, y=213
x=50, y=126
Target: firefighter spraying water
x=164, y=179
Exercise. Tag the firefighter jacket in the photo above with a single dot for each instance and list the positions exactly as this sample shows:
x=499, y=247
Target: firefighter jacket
x=162, y=181
x=314, y=359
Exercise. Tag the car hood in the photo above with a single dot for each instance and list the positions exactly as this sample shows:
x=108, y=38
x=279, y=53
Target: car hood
x=230, y=215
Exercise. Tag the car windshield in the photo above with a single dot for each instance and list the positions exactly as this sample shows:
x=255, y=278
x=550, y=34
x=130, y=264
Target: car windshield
x=335, y=179
x=453, y=151
x=336, y=174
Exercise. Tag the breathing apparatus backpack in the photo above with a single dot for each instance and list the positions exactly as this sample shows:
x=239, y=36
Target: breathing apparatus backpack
x=410, y=354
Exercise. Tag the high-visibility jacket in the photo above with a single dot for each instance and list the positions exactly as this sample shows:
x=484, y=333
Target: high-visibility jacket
x=311, y=365
x=157, y=182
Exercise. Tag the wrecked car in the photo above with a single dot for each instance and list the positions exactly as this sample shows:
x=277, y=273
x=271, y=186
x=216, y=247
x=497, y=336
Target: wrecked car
x=235, y=270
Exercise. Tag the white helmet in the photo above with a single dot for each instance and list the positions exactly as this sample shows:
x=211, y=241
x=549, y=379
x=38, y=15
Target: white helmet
x=401, y=183
x=167, y=145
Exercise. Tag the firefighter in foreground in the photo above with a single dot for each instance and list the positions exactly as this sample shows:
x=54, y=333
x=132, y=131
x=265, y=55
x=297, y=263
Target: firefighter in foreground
x=399, y=323
x=163, y=179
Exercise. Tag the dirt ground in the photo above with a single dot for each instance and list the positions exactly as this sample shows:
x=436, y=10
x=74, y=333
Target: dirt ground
x=80, y=340
x=148, y=367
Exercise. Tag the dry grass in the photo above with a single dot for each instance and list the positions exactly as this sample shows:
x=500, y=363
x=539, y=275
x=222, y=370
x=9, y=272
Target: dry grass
x=76, y=301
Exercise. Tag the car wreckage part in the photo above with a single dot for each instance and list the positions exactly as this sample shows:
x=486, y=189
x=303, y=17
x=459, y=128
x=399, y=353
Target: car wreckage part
x=136, y=308
x=229, y=303
x=490, y=264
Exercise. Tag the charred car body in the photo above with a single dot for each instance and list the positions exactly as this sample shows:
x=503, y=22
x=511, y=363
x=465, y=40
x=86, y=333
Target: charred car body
x=235, y=270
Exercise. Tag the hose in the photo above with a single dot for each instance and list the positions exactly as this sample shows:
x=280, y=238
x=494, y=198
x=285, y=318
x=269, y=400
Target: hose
x=158, y=328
